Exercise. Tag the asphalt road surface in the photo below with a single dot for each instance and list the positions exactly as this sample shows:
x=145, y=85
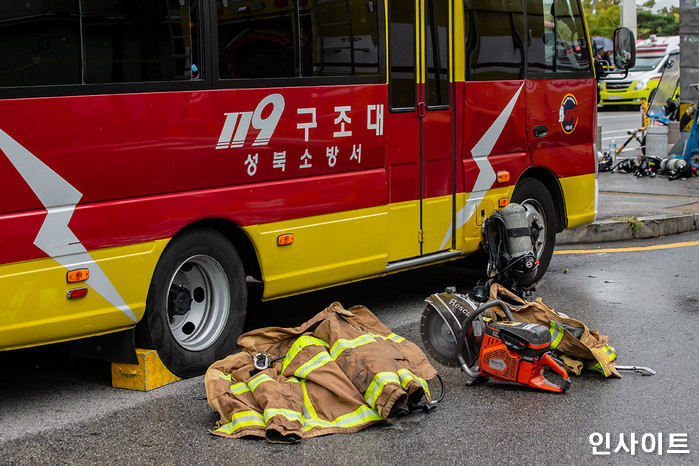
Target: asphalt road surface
x=56, y=410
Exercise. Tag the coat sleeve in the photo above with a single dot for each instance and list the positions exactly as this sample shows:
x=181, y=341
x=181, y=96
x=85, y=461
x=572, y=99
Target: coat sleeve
x=389, y=371
x=239, y=413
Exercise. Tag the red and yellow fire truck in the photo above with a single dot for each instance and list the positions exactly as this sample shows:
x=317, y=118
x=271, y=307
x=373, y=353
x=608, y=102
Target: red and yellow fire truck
x=154, y=154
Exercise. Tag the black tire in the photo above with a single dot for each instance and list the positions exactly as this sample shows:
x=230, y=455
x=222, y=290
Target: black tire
x=535, y=198
x=196, y=303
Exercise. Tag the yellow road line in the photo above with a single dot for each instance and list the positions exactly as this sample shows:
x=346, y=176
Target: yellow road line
x=633, y=249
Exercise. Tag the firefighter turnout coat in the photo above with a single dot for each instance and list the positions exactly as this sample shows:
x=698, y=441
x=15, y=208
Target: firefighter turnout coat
x=568, y=336
x=341, y=371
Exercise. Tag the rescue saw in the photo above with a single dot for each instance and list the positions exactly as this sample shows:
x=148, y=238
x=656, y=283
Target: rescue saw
x=456, y=334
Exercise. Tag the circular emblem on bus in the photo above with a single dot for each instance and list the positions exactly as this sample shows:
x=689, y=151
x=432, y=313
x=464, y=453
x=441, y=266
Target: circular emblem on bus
x=568, y=113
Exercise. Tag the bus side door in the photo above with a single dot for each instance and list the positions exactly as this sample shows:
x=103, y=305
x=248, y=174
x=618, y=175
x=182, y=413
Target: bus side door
x=420, y=156
x=493, y=110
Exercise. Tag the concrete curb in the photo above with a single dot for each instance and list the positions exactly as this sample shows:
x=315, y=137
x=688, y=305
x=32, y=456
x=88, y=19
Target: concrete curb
x=633, y=228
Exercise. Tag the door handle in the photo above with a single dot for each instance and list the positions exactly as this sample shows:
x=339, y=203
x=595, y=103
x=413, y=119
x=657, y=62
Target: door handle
x=540, y=131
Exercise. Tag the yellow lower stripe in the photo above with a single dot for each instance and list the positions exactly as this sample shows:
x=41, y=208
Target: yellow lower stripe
x=631, y=249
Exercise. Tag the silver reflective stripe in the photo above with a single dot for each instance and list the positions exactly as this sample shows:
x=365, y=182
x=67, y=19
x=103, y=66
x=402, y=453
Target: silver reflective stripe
x=315, y=362
x=406, y=376
x=391, y=336
x=256, y=381
x=556, y=334
x=610, y=354
x=300, y=344
x=243, y=419
x=343, y=344
x=376, y=386
x=286, y=413
x=238, y=388
x=598, y=367
x=359, y=416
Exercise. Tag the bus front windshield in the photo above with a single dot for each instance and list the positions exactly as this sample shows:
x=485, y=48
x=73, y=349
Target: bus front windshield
x=646, y=63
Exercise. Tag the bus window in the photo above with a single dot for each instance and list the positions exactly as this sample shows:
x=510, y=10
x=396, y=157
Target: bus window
x=437, y=52
x=402, y=93
x=257, y=40
x=494, y=39
x=97, y=41
x=339, y=38
x=298, y=39
x=138, y=41
x=40, y=43
x=558, y=43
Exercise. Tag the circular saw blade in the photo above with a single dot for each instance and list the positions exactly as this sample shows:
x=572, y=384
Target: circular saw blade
x=438, y=337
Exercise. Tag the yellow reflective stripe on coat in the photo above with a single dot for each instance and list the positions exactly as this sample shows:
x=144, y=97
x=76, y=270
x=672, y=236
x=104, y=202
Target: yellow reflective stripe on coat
x=406, y=376
x=256, y=381
x=604, y=354
x=243, y=419
x=310, y=410
x=557, y=332
x=225, y=376
x=343, y=344
x=391, y=336
x=287, y=413
x=315, y=362
x=609, y=353
x=598, y=367
x=359, y=416
x=238, y=388
x=299, y=344
x=376, y=386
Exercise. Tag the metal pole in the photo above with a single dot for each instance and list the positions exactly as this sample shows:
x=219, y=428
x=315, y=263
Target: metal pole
x=689, y=51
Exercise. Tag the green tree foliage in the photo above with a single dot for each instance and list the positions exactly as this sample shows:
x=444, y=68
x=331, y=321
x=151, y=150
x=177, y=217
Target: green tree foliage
x=606, y=18
x=665, y=22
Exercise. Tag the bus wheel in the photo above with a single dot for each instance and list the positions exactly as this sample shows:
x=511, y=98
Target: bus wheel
x=196, y=302
x=535, y=198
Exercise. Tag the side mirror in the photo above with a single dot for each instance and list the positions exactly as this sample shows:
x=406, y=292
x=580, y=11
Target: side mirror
x=624, y=49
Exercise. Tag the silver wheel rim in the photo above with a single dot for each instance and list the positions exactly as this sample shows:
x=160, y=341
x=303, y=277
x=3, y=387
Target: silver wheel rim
x=205, y=282
x=536, y=218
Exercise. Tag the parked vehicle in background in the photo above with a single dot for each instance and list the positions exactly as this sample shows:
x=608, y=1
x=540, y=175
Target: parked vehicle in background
x=155, y=154
x=642, y=81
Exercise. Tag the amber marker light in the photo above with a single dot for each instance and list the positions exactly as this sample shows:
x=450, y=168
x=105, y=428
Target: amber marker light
x=78, y=275
x=503, y=202
x=503, y=176
x=285, y=240
x=76, y=293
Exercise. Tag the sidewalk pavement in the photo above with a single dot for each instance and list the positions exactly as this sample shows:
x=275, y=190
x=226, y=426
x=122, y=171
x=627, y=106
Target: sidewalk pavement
x=630, y=207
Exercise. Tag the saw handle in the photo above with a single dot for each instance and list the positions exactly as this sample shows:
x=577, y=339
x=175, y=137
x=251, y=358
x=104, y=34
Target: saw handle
x=462, y=333
x=547, y=360
x=513, y=342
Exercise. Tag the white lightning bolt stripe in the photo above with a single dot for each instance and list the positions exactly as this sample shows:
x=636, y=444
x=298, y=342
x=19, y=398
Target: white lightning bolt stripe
x=55, y=237
x=486, y=176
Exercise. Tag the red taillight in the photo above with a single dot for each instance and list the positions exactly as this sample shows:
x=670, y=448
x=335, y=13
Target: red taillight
x=76, y=293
